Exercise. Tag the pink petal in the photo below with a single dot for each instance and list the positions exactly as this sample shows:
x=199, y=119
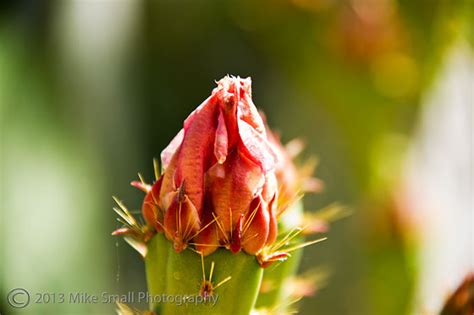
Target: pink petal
x=181, y=221
x=151, y=211
x=190, y=118
x=273, y=224
x=257, y=147
x=232, y=187
x=249, y=113
x=221, y=141
x=255, y=236
x=170, y=150
x=195, y=152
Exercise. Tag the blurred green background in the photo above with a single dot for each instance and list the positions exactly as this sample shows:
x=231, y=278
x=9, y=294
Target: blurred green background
x=91, y=91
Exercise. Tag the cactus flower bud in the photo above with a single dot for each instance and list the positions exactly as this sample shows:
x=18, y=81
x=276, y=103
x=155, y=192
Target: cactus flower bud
x=218, y=185
x=225, y=178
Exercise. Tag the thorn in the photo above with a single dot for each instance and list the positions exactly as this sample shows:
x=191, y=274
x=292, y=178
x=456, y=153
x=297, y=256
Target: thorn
x=212, y=271
x=249, y=238
x=156, y=168
x=125, y=210
x=252, y=216
x=291, y=249
x=126, y=219
x=202, y=229
x=203, y=269
x=141, y=178
x=222, y=282
x=221, y=228
x=197, y=252
x=291, y=235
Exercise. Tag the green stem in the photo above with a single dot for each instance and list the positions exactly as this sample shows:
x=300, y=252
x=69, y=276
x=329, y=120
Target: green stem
x=176, y=275
x=277, y=296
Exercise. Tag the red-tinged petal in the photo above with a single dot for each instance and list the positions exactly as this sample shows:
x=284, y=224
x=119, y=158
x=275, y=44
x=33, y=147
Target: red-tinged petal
x=210, y=100
x=168, y=153
x=256, y=147
x=233, y=186
x=151, y=210
x=168, y=184
x=195, y=152
x=273, y=224
x=221, y=141
x=270, y=187
x=228, y=106
x=248, y=112
x=256, y=227
x=140, y=185
x=266, y=261
x=181, y=221
x=207, y=241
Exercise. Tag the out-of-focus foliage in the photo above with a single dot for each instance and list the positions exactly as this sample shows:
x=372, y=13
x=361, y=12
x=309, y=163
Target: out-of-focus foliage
x=90, y=91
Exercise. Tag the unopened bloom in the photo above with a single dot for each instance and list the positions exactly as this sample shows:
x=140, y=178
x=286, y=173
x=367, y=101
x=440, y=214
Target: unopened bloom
x=218, y=186
x=225, y=179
